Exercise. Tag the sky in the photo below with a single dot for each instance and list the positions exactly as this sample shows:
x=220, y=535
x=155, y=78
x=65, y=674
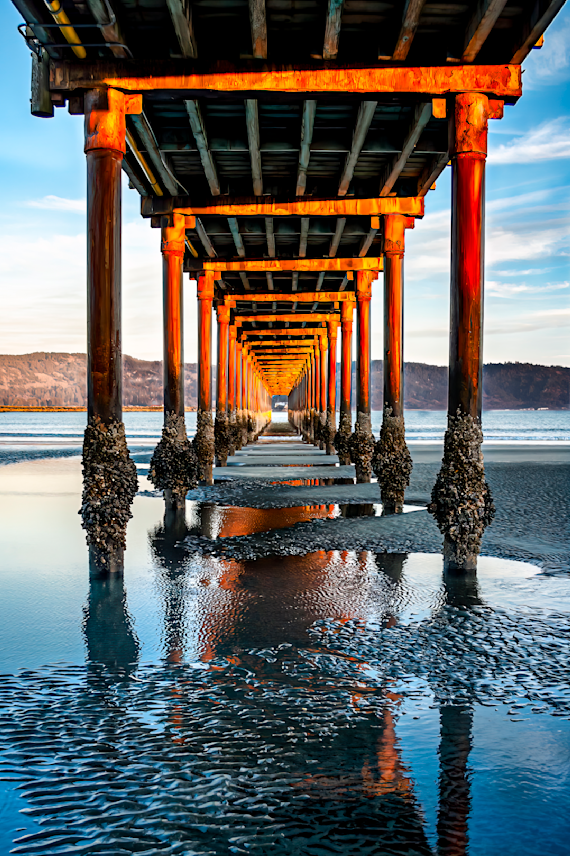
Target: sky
x=527, y=251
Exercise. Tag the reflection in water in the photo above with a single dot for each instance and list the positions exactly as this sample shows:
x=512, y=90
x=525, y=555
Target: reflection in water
x=454, y=781
x=107, y=626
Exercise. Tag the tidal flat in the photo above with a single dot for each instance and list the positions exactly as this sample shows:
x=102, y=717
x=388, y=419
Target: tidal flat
x=283, y=670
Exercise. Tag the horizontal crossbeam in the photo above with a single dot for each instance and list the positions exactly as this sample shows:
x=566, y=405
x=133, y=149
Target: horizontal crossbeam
x=410, y=206
x=269, y=318
x=277, y=265
x=296, y=297
x=501, y=81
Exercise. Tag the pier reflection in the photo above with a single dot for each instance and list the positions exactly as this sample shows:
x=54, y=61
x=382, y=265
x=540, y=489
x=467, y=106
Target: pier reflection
x=359, y=783
x=109, y=636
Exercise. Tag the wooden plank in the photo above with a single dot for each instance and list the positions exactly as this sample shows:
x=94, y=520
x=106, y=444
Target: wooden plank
x=543, y=12
x=295, y=282
x=203, y=235
x=320, y=281
x=147, y=138
x=269, y=277
x=498, y=81
x=411, y=206
x=244, y=280
x=367, y=242
x=480, y=25
x=134, y=179
x=307, y=125
x=258, y=24
x=422, y=115
x=410, y=21
x=234, y=229
x=288, y=331
x=270, y=236
x=199, y=131
x=277, y=265
x=332, y=29
x=252, y=123
x=363, y=121
x=339, y=229
x=181, y=14
x=432, y=172
x=305, y=221
x=109, y=29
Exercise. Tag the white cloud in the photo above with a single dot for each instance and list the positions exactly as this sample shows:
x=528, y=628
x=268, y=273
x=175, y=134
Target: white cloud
x=57, y=203
x=508, y=289
x=550, y=141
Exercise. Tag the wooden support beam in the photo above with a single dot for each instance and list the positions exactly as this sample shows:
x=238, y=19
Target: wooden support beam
x=367, y=240
x=432, y=172
x=244, y=280
x=298, y=297
x=270, y=236
x=147, y=138
x=543, y=12
x=203, y=235
x=294, y=341
x=265, y=353
x=109, y=28
x=295, y=280
x=266, y=319
x=252, y=123
x=410, y=21
x=411, y=206
x=258, y=23
x=305, y=221
x=199, y=132
x=307, y=125
x=234, y=229
x=496, y=81
x=363, y=121
x=181, y=14
x=332, y=29
x=339, y=229
x=480, y=25
x=277, y=265
x=290, y=332
x=422, y=115
x=269, y=277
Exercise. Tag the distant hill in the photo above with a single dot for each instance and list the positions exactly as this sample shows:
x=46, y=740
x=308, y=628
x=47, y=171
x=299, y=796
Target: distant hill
x=59, y=380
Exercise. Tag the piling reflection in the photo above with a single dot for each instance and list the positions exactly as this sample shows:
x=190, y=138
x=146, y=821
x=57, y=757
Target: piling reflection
x=107, y=626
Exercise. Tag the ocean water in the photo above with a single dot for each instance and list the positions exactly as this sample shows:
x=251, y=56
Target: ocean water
x=336, y=703
x=20, y=430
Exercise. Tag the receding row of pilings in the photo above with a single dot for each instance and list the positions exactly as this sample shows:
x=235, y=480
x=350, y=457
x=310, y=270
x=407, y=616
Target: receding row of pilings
x=461, y=501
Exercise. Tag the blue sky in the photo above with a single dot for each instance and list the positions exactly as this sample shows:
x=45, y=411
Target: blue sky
x=527, y=298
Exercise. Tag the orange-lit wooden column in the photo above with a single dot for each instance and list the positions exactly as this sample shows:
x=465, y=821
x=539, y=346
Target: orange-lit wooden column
x=232, y=386
x=331, y=390
x=204, y=439
x=362, y=440
x=323, y=342
x=462, y=502
x=344, y=433
x=240, y=440
x=172, y=247
x=392, y=459
x=106, y=460
x=221, y=432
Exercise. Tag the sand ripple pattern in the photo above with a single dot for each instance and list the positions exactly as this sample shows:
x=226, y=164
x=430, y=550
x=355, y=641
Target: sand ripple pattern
x=265, y=750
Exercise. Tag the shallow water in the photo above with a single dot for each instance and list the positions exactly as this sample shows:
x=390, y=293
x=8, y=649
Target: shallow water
x=335, y=703
x=144, y=428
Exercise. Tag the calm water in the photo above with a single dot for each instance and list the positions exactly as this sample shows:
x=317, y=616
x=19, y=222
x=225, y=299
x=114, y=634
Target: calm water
x=21, y=429
x=335, y=703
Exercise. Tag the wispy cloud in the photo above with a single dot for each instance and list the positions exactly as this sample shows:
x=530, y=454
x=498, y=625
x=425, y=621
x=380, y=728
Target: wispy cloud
x=509, y=290
x=551, y=64
x=57, y=203
x=547, y=319
x=550, y=141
